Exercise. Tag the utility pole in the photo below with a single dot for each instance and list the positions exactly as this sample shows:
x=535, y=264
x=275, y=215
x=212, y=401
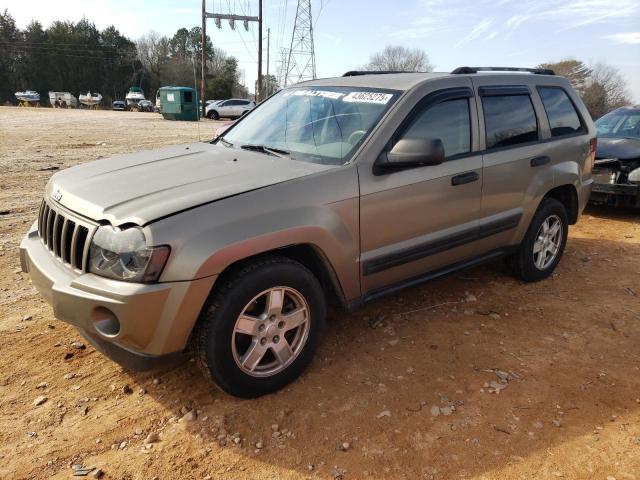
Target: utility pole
x=203, y=60
x=301, y=63
x=259, y=92
x=233, y=18
x=268, y=85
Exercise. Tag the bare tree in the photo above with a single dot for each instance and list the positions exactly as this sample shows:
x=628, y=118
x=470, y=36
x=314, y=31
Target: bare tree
x=606, y=90
x=216, y=64
x=400, y=59
x=153, y=52
x=600, y=86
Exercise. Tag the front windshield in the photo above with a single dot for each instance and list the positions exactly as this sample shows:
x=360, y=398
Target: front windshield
x=313, y=124
x=619, y=125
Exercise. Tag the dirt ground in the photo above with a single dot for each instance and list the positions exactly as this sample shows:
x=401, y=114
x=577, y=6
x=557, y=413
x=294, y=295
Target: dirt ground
x=475, y=376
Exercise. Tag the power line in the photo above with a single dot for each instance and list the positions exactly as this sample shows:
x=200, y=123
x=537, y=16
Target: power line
x=66, y=44
x=322, y=5
x=54, y=49
x=282, y=25
x=246, y=47
x=233, y=18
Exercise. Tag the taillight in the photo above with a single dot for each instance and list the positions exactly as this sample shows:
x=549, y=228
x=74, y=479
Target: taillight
x=593, y=143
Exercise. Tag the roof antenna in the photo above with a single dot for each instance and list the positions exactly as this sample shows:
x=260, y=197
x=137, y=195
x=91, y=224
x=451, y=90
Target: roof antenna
x=195, y=88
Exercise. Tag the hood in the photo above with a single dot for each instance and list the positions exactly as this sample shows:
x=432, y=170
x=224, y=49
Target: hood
x=620, y=148
x=141, y=187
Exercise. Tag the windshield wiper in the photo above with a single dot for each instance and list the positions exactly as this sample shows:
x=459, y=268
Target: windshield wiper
x=226, y=143
x=269, y=150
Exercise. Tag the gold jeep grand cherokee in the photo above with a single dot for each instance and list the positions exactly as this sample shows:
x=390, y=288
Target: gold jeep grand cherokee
x=338, y=190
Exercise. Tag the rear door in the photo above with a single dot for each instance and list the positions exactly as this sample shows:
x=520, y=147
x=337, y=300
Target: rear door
x=516, y=164
x=236, y=108
x=243, y=106
x=569, y=145
x=416, y=221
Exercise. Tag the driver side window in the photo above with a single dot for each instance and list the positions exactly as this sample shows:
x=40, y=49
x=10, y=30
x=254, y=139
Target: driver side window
x=448, y=121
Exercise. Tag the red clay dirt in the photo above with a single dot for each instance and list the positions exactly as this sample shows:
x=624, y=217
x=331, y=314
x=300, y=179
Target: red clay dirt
x=474, y=376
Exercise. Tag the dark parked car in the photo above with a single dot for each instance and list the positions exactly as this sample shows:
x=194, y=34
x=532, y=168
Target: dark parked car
x=617, y=167
x=145, y=106
x=119, y=105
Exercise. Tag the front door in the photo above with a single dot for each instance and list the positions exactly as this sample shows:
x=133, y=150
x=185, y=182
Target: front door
x=420, y=220
x=226, y=109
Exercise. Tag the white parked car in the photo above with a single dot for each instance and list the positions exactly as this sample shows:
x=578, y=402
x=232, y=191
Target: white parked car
x=232, y=108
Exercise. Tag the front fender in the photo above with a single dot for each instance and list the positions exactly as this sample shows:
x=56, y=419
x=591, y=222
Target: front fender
x=318, y=210
x=321, y=228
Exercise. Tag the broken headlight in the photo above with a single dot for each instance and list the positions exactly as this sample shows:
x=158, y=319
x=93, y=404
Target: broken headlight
x=634, y=176
x=123, y=254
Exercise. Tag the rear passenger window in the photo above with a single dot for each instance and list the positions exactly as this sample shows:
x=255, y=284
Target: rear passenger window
x=509, y=120
x=449, y=121
x=562, y=115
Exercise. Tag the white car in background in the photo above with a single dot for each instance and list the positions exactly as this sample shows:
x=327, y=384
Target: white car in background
x=232, y=108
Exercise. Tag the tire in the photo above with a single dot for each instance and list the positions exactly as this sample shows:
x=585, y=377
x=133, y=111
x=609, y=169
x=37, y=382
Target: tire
x=213, y=115
x=526, y=263
x=222, y=351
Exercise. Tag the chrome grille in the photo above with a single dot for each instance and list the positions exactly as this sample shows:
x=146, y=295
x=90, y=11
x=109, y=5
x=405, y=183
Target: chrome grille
x=65, y=236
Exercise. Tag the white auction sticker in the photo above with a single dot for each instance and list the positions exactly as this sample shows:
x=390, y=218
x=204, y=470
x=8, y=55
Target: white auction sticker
x=315, y=93
x=368, y=97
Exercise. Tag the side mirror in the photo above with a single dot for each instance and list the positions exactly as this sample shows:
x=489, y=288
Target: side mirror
x=410, y=153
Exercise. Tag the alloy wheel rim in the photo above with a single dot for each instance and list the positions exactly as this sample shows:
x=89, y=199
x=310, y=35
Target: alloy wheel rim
x=548, y=242
x=270, y=332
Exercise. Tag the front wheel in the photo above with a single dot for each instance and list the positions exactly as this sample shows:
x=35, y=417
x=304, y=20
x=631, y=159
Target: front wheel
x=543, y=244
x=213, y=115
x=260, y=329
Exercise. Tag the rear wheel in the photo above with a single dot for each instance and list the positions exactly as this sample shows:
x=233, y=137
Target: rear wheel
x=260, y=329
x=543, y=245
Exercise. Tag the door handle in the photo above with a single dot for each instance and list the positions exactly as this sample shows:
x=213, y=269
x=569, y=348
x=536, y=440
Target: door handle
x=539, y=161
x=463, y=178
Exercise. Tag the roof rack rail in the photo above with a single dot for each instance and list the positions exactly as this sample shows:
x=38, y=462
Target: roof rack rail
x=468, y=70
x=355, y=73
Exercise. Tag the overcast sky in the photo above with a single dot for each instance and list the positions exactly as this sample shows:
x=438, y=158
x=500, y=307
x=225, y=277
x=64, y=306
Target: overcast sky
x=452, y=32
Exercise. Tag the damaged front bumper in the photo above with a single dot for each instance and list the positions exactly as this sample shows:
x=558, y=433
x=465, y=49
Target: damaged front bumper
x=140, y=326
x=611, y=187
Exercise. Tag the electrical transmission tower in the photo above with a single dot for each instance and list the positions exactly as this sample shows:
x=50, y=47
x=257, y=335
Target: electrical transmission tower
x=282, y=66
x=301, y=63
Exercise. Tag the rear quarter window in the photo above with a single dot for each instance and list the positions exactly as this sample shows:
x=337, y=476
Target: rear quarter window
x=509, y=120
x=562, y=114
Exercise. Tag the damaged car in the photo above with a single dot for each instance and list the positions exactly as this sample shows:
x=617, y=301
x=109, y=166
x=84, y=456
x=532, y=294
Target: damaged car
x=333, y=192
x=616, y=171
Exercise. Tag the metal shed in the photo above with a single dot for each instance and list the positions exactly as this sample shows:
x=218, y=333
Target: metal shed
x=179, y=103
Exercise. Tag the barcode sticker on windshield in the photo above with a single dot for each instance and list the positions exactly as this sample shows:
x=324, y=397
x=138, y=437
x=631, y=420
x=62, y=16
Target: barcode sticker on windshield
x=368, y=97
x=315, y=93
